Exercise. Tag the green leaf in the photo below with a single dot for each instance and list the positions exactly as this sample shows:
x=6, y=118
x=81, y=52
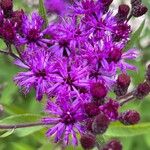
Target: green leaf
x=120, y=130
x=135, y=36
x=7, y=93
x=7, y=133
x=21, y=146
x=42, y=12
x=23, y=118
x=27, y=131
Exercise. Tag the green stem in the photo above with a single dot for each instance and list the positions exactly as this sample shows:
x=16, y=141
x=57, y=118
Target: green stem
x=26, y=125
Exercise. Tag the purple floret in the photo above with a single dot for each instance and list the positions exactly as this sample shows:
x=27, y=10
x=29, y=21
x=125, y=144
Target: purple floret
x=67, y=119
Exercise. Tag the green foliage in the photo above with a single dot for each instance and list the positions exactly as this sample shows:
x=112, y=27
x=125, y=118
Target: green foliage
x=120, y=130
x=42, y=12
x=135, y=37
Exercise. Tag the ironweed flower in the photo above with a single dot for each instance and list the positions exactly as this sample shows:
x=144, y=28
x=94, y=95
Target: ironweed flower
x=32, y=31
x=67, y=118
x=37, y=63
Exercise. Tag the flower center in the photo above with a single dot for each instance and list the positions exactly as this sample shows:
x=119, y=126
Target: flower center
x=63, y=43
x=69, y=80
x=41, y=73
x=33, y=35
x=68, y=118
x=115, y=56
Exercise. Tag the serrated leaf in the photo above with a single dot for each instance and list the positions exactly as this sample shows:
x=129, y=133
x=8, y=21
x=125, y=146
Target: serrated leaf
x=120, y=130
x=135, y=36
x=42, y=12
x=8, y=133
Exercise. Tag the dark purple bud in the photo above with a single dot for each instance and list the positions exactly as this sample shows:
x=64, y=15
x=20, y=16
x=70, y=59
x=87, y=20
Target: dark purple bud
x=129, y=117
x=123, y=12
x=124, y=9
x=123, y=80
x=135, y=2
x=91, y=109
x=100, y=124
x=110, y=109
x=139, y=10
x=98, y=90
x=122, y=31
x=122, y=84
x=17, y=18
x=148, y=74
x=142, y=90
x=106, y=2
x=113, y=145
x=7, y=6
x=115, y=55
x=7, y=31
x=89, y=123
x=88, y=141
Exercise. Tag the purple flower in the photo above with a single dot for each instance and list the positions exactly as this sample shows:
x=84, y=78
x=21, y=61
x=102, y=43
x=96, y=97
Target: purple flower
x=110, y=109
x=69, y=75
x=86, y=7
x=37, y=62
x=67, y=118
x=121, y=32
x=55, y=6
x=69, y=35
x=32, y=32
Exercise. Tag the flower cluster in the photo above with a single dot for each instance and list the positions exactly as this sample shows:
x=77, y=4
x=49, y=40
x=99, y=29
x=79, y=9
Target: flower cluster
x=75, y=61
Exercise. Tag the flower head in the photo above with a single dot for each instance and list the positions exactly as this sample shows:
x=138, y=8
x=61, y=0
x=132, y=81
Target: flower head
x=69, y=75
x=67, y=118
x=32, y=31
x=37, y=74
x=110, y=109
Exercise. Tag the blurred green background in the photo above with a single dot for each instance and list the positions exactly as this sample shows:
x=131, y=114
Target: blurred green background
x=19, y=108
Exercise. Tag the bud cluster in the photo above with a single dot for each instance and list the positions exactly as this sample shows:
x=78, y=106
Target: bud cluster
x=10, y=21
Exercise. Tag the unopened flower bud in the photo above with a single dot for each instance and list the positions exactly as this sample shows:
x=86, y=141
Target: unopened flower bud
x=129, y=117
x=7, y=31
x=110, y=109
x=106, y=4
x=17, y=18
x=123, y=12
x=142, y=90
x=113, y=145
x=7, y=6
x=89, y=123
x=122, y=84
x=100, y=124
x=135, y=2
x=91, y=109
x=88, y=141
x=98, y=90
x=115, y=55
x=139, y=10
